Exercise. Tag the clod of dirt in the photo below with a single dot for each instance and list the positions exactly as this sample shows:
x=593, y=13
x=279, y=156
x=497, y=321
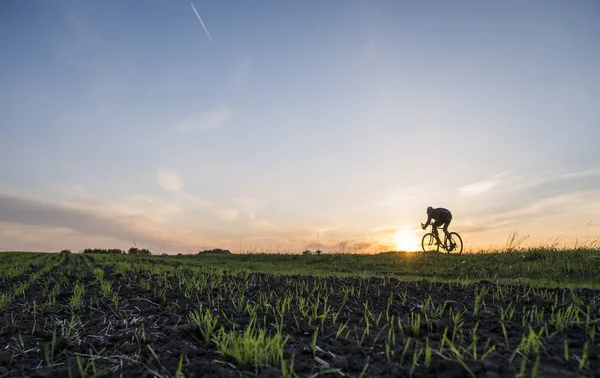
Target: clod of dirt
x=448, y=369
x=42, y=373
x=187, y=330
x=340, y=362
x=46, y=336
x=490, y=366
x=3, y=371
x=270, y=372
x=5, y=358
x=490, y=374
x=61, y=343
x=9, y=330
x=451, y=373
x=538, y=301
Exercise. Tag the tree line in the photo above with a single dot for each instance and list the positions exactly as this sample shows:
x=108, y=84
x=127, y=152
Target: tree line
x=114, y=251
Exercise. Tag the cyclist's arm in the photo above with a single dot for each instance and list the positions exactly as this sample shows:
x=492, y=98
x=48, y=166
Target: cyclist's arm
x=428, y=220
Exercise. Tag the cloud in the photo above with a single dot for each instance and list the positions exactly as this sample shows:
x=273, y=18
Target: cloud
x=205, y=120
x=130, y=207
x=169, y=180
x=544, y=182
x=571, y=202
x=580, y=174
x=405, y=195
x=472, y=228
x=575, y=202
x=248, y=206
x=83, y=219
x=228, y=215
x=481, y=186
x=33, y=212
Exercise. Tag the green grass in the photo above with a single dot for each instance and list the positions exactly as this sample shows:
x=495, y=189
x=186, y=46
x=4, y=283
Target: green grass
x=548, y=267
x=540, y=267
x=256, y=320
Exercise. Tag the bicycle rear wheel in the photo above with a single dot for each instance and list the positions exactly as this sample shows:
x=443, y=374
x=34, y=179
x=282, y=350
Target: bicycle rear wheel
x=457, y=241
x=429, y=243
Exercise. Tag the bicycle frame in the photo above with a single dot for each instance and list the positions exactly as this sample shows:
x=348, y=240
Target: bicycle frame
x=452, y=242
x=435, y=233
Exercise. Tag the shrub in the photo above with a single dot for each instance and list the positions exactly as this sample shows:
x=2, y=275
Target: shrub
x=216, y=251
x=139, y=252
x=113, y=251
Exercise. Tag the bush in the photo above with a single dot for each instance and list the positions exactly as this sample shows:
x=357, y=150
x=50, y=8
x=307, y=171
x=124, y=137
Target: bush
x=306, y=252
x=104, y=251
x=138, y=252
x=216, y=251
x=65, y=251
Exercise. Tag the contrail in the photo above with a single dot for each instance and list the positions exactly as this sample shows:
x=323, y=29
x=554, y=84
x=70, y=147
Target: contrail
x=199, y=19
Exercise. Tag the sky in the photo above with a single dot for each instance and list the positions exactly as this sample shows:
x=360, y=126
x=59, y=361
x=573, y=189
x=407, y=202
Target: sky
x=291, y=125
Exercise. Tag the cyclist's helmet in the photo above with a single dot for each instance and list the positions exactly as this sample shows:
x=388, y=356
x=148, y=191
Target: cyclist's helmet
x=429, y=210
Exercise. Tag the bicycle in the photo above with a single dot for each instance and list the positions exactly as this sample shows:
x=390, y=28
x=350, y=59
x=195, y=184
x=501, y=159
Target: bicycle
x=432, y=243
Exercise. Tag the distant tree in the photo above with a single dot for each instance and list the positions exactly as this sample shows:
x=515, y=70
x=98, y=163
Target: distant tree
x=138, y=252
x=306, y=252
x=216, y=251
x=318, y=252
x=65, y=251
x=113, y=251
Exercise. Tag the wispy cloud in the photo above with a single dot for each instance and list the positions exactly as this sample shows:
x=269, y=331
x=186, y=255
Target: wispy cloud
x=550, y=180
x=575, y=202
x=28, y=211
x=83, y=219
x=228, y=215
x=243, y=210
x=404, y=195
x=169, y=180
x=480, y=187
x=572, y=202
x=205, y=120
x=580, y=174
x=132, y=206
x=248, y=206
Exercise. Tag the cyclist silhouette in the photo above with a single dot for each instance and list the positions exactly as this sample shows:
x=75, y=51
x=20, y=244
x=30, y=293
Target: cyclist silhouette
x=442, y=218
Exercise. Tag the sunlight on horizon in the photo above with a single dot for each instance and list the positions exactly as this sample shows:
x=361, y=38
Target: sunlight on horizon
x=407, y=240
x=336, y=136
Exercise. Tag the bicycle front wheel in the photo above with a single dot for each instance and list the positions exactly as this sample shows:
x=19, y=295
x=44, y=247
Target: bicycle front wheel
x=456, y=241
x=429, y=243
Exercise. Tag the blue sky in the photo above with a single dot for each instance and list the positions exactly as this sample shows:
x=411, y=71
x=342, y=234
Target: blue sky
x=122, y=122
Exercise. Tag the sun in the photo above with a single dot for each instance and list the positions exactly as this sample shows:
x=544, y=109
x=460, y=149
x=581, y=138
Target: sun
x=407, y=240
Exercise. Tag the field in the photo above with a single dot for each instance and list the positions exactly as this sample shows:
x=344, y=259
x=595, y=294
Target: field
x=528, y=313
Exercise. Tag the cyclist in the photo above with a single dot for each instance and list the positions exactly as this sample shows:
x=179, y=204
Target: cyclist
x=442, y=218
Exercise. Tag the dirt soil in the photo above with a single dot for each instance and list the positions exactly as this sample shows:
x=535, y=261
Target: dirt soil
x=146, y=334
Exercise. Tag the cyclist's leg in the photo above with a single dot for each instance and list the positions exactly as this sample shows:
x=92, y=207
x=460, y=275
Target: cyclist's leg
x=434, y=228
x=445, y=228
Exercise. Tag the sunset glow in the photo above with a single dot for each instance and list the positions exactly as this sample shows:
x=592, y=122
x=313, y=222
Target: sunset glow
x=291, y=126
x=407, y=240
